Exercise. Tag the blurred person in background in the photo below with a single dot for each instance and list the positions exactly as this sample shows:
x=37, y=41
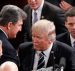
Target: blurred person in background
x=69, y=37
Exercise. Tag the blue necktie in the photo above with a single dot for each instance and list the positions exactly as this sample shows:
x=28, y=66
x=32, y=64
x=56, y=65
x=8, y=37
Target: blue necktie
x=35, y=17
x=41, y=62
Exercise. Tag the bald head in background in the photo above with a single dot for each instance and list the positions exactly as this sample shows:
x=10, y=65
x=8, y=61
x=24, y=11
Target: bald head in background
x=8, y=66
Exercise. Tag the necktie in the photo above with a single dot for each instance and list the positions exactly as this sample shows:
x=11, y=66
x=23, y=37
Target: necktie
x=41, y=61
x=35, y=17
x=74, y=44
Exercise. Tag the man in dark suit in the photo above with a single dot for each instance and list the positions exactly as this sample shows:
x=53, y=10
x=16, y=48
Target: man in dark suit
x=44, y=10
x=54, y=53
x=11, y=21
x=69, y=37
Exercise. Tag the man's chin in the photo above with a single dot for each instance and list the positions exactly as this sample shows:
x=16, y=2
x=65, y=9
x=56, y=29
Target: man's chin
x=36, y=48
x=34, y=8
x=13, y=37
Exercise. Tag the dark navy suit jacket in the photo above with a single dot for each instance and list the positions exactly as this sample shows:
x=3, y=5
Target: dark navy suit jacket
x=9, y=52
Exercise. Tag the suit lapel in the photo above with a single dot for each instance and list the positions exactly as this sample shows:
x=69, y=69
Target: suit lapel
x=46, y=12
x=32, y=58
x=69, y=40
x=43, y=13
x=51, y=60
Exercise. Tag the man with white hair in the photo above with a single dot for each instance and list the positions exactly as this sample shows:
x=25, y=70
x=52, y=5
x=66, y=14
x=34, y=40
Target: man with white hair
x=44, y=44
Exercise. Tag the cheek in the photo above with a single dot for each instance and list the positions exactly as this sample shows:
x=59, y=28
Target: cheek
x=42, y=44
x=69, y=29
x=14, y=31
x=18, y=28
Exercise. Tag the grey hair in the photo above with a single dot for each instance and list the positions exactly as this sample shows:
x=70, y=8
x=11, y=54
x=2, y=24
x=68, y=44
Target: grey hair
x=11, y=13
x=46, y=27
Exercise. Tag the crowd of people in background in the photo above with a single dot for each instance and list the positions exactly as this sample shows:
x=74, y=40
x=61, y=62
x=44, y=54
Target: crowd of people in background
x=42, y=28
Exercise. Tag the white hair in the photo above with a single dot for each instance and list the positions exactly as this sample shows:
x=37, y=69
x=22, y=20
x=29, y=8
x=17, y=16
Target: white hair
x=44, y=27
x=8, y=66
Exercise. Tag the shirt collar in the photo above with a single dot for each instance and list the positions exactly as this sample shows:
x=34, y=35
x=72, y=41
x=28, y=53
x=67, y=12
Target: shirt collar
x=40, y=8
x=4, y=32
x=46, y=52
x=72, y=39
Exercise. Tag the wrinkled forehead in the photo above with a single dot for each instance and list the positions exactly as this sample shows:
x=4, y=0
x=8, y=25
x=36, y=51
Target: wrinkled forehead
x=43, y=27
x=38, y=31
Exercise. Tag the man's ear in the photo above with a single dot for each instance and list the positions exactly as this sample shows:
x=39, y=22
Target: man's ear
x=65, y=24
x=9, y=25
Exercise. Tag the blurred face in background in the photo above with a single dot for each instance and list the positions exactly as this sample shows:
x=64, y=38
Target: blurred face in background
x=35, y=4
x=70, y=24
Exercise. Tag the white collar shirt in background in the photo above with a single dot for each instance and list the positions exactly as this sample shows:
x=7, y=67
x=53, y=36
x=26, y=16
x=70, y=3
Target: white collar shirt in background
x=38, y=11
x=72, y=41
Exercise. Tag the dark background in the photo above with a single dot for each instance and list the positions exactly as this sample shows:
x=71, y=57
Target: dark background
x=20, y=3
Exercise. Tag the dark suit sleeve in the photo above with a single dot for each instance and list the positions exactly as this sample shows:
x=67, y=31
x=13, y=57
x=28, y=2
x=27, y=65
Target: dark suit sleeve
x=23, y=47
x=73, y=60
x=55, y=14
x=58, y=18
x=9, y=53
x=59, y=21
x=23, y=52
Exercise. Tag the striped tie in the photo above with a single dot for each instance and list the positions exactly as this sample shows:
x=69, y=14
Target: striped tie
x=41, y=61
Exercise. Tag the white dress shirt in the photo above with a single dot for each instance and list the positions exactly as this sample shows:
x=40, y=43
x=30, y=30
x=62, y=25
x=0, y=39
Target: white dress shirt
x=72, y=41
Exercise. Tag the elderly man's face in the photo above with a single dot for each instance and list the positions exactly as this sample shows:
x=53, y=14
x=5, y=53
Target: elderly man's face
x=40, y=41
x=34, y=4
x=70, y=24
